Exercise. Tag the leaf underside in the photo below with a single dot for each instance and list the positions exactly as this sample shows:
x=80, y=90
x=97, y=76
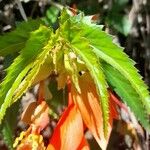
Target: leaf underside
x=14, y=41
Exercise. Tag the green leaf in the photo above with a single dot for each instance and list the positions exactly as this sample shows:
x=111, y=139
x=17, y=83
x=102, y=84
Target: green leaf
x=22, y=65
x=71, y=33
x=71, y=68
x=41, y=66
x=117, y=19
x=83, y=51
x=120, y=22
x=44, y=50
x=51, y=15
x=9, y=124
x=127, y=93
x=8, y=135
x=14, y=41
x=64, y=16
x=103, y=46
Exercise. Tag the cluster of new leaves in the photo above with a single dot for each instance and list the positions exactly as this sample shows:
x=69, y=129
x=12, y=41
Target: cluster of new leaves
x=77, y=46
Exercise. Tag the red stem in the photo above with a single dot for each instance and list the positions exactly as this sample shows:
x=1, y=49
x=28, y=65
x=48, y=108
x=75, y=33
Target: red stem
x=117, y=101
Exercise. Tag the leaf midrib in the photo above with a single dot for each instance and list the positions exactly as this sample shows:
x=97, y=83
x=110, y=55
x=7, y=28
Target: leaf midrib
x=113, y=63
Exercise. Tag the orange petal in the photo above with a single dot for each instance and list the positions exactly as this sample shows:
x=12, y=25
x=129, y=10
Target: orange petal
x=90, y=109
x=69, y=132
x=83, y=145
x=40, y=118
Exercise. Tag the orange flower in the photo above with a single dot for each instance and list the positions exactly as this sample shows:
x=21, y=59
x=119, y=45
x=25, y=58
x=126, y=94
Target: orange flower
x=82, y=109
x=83, y=112
x=38, y=118
x=69, y=133
x=90, y=109
x=30, y=142
x=31, y=139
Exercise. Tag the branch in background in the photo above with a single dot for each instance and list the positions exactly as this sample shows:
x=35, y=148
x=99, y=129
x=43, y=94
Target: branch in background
x=21, y=9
